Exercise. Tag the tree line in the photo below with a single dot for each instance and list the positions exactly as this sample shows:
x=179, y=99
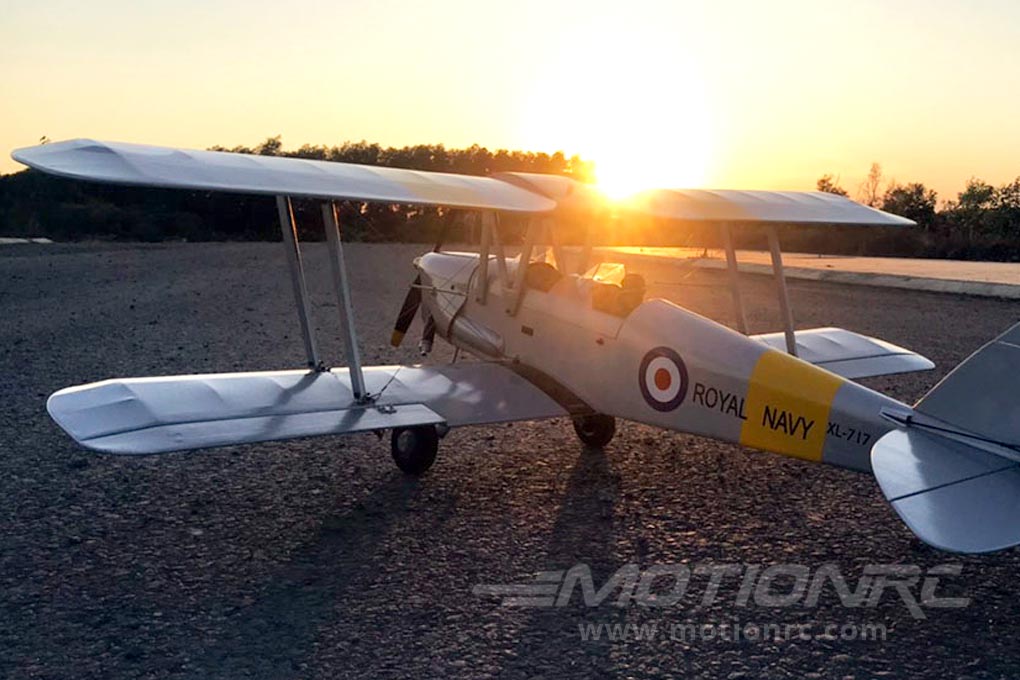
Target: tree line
x=982, y=222
x=36, y=204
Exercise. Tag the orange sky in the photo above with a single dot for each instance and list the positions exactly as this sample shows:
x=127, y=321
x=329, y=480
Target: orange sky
x=722, y=94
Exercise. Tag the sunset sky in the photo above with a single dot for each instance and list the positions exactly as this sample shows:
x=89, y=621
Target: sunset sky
x=666, y=93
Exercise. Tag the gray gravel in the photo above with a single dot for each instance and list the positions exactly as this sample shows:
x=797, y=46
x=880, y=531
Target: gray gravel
x=317, y=559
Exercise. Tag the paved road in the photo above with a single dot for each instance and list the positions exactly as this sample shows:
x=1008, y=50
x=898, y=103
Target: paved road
x=991, y=279
x=316, y=559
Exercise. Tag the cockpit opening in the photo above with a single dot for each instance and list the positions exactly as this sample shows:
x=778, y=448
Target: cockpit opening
x=614, y=290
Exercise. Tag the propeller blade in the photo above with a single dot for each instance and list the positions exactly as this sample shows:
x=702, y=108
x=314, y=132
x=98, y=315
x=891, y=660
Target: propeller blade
x=407, y=312
x=428, y=336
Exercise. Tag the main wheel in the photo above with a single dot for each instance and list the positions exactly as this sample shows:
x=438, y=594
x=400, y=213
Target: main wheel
x=414, y=448
x=595, y=430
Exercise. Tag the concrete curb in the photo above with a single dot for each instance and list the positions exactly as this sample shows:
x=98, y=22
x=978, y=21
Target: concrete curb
x=980, y=288
x=959, y=287
x=9, y=240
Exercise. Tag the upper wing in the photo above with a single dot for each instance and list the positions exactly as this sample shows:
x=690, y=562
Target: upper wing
x=715, y=205
x=141, y=165
x=785, y=207
x=155, y=166
x=172, y=413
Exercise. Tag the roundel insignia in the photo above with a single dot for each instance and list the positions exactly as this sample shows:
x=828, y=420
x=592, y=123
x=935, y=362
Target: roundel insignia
x=663, y=379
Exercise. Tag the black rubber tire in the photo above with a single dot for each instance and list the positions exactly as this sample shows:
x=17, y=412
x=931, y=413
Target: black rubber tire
x=595, y=430
x=414, y=448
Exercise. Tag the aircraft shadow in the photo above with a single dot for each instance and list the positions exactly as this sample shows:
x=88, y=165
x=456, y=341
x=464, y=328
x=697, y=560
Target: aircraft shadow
x=584, y=532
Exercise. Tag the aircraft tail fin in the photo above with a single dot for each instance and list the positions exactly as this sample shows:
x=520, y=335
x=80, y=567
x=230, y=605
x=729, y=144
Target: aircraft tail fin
x=953, y=473
x=982, y=394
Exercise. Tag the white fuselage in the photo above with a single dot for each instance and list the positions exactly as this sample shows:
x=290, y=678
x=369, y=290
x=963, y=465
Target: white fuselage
x=659, y=364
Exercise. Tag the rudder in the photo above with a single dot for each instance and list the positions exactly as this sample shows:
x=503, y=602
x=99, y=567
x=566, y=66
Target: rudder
x=980, y=395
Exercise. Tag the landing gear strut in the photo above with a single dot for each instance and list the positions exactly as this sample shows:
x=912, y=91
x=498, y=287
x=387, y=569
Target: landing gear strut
x=414, y=448
x=595, y=430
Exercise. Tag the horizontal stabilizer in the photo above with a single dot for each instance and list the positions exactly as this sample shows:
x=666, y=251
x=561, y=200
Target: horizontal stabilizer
x=155, y=415
x=953, y=495
x=850, y=354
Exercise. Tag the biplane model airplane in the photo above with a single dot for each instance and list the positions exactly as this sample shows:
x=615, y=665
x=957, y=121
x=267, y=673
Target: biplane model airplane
x=580, y=343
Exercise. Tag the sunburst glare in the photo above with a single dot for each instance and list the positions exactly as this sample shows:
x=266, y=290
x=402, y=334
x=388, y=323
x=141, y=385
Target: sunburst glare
x=639, y=111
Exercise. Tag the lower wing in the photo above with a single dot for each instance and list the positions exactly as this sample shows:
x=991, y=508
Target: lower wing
x=173, y=413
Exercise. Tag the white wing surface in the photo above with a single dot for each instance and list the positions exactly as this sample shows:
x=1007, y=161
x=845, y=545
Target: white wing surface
x=761, y=207
x=713, y=205
x=156, y=415
x=135, y=164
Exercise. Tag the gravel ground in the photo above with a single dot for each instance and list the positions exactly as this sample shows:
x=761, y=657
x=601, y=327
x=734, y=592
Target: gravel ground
x=317, y=559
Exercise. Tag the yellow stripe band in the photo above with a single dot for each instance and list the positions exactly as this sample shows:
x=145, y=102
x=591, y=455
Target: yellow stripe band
x=787, y=406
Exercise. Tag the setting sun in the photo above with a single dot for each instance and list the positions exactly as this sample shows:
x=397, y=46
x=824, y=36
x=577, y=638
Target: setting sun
x=638, y=109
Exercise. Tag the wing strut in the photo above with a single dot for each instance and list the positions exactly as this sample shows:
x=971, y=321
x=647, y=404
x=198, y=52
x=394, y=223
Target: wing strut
x=497, y=244
x=731, y=267
x=777, y=271
x=483, y=257
x=343, y=297
x=784, y=295
x=521, y=280
x=490, y=245
x=297, y=277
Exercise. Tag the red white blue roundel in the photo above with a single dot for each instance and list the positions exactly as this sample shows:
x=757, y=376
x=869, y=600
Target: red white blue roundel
x=663, y=379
